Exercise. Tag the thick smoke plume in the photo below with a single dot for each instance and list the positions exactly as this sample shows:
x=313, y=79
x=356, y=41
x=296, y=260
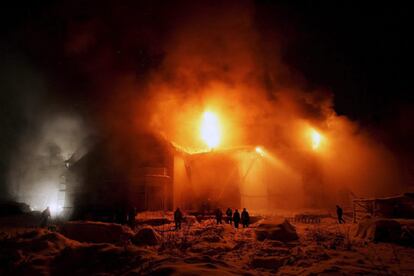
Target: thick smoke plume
x=217, y=59
x=38, y=165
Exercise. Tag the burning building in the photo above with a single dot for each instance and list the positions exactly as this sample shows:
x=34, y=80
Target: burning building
x=163, y=176
x=94, y=186
x=202, y=104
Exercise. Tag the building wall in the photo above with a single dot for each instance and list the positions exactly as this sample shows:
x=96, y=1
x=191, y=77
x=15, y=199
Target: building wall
x=100, y=182
x=207, y=180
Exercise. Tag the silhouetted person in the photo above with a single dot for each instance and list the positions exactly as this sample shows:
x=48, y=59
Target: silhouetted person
x=339, y=213
x=219, y=216
x=178, y=217
x=45, y=217
x=229, y=214
x=245, y=218
x=236, y=218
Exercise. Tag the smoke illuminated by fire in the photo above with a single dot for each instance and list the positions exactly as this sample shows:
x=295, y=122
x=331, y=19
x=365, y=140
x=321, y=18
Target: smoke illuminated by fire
x=256, y=101
x=214, y=56
x=36, y=177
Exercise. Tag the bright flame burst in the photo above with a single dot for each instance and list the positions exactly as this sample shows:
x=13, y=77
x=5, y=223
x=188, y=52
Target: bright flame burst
x=210, y=129
x=316, y=139
x=260, y=151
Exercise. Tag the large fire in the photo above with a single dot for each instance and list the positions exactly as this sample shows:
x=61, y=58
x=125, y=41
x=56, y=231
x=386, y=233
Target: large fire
x=316, y=139
x=210, y=129
x=260, y=151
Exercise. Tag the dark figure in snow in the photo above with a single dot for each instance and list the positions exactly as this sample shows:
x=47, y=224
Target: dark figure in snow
x=245, y=218
x=178, y=217
x=339, y=212
x=219, y=216
x=45, y=217
x=229, y=214
x=236, y=218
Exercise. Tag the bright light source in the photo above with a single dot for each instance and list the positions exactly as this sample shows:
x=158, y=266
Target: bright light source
x=316, y=139
x=49, y=195
x=55, y=209
x=210, y=129
x=260, y=151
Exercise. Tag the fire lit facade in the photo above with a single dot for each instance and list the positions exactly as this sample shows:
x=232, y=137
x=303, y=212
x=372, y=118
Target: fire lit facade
x=164, y=180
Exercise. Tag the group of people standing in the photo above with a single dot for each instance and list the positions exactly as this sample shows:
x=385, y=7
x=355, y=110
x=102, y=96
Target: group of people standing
x=231, y=217
x=235, y=217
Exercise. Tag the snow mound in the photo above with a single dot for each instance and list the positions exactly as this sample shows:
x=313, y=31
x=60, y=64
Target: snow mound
x=191, y=269
x=379, y=230
x=268, y=262
x=154, y=221
x=201, y=265
x=42, y=240
x=146, y=236
x=255, y=218
x=41, y=252
x=154, y=218
x=30, y=252
x=98, y=259
x=189, y=219
x=273, y=230
x=96, y=232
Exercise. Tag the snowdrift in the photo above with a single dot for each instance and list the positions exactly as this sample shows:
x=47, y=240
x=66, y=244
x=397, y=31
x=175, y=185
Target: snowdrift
x=41, y=252
x=379, y=230
x=31, y=251
x=268, y=262
x=203, y=249
x=275, y=230
x=146, y=236
x=386, y=230
x=200, y=267
x=154, y=218
x=96, y=232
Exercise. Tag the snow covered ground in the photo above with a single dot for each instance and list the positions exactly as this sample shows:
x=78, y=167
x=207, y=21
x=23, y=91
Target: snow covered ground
x=204, y=248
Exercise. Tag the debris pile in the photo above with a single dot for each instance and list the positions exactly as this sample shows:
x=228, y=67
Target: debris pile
x=284, y=231
x=146, y=236
x=96, y=232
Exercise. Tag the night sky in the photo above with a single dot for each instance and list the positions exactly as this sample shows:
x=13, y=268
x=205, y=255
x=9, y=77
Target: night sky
x=357, y=51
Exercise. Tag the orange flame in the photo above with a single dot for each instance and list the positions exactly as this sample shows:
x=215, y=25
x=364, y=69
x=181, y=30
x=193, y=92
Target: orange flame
x=316, y=139
x=210, y=129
